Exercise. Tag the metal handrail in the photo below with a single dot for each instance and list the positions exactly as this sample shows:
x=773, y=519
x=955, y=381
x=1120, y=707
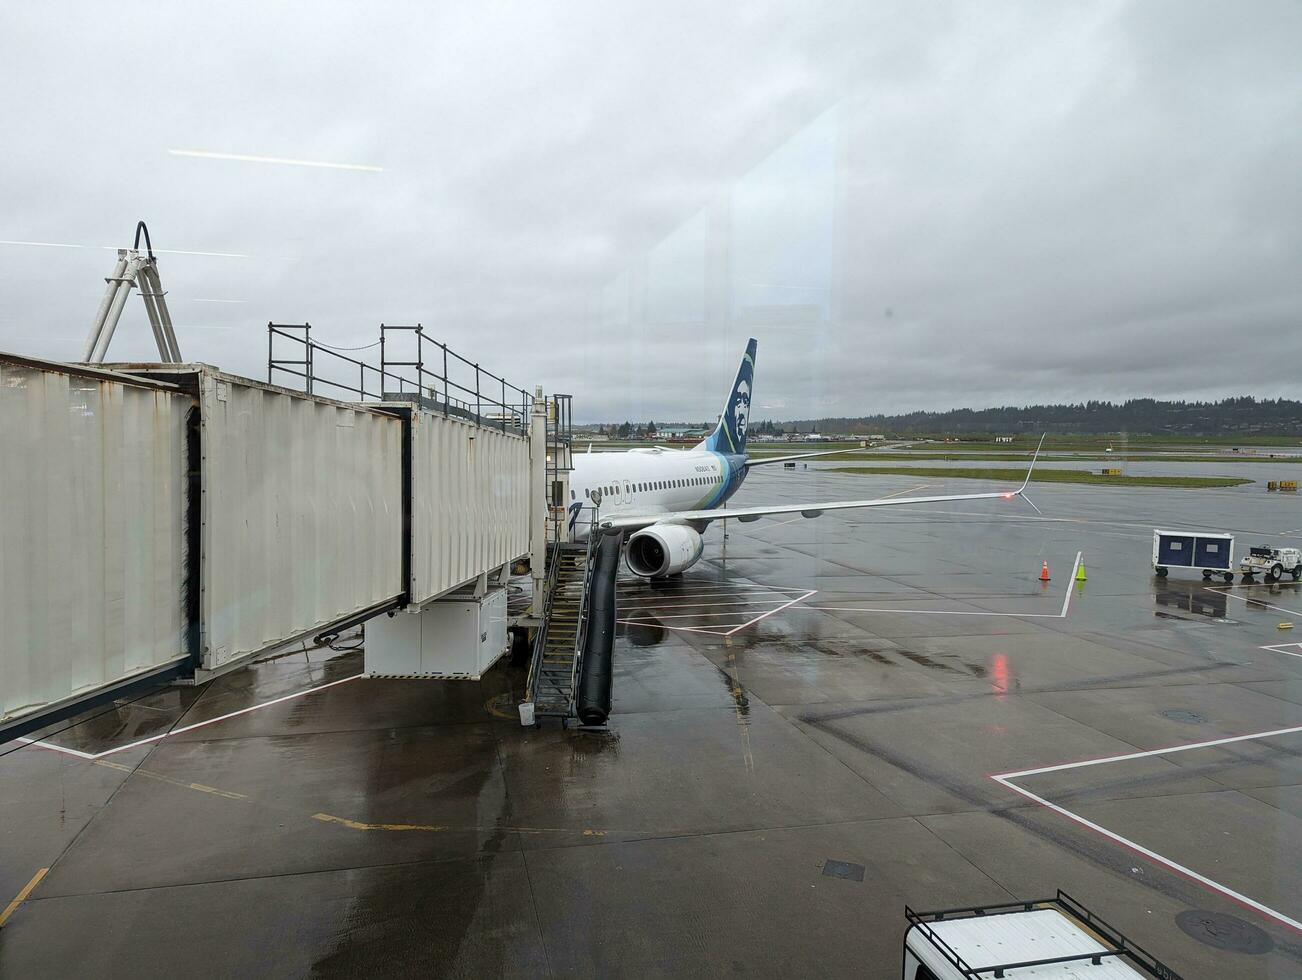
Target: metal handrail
x=489, y=407
x=540, y=638
x=581, y=633
x=515, y=411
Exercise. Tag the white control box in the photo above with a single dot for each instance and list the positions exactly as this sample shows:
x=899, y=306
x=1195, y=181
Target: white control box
x=455, y=638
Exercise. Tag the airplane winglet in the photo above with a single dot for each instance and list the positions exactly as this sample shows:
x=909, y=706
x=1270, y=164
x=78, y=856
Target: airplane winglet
x=1031, y=469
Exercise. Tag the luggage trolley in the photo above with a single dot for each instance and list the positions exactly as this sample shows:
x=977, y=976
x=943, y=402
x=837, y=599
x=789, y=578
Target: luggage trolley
x=1210, y=551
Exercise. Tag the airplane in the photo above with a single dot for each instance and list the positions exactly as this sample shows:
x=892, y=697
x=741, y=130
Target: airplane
x=667, y=497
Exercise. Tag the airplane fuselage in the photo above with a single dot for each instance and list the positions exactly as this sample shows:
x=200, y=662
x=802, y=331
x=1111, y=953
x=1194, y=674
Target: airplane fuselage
x=650, y=482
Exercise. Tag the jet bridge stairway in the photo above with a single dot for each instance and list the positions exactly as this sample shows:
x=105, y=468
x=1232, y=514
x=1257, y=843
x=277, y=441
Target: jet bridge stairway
x=558, y=645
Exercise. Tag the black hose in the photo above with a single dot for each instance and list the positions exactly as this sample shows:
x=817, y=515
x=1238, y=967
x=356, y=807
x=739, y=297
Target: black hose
x=595, y=677
x=149, y=246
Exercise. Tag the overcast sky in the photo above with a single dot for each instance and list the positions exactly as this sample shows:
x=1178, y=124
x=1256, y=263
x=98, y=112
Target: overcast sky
x=911, y=205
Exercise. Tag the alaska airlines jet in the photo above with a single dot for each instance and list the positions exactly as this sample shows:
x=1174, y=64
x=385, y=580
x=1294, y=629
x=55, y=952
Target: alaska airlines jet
x=668, y=497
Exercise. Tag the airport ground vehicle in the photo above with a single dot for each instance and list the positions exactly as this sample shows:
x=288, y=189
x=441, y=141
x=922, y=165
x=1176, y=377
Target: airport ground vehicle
x=1207, y=550
x=1023, y=940
x=1271, y=562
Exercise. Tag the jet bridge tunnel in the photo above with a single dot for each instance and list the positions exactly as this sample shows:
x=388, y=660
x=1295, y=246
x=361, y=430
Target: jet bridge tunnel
x=171, y=521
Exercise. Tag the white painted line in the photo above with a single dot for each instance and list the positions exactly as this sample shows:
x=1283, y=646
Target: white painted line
x=1062, y=614
x=188, y=728
x=1284, y=649
x=646, y=616
x=1066, y=599
x=1188, y=747
x=719, y=629
x=703, y=600
x=57, y=748
x=772, y=611
x=1005, y=779
x=1250, y=600
x=1154, y=856
x=782, y=596
x=718, y=593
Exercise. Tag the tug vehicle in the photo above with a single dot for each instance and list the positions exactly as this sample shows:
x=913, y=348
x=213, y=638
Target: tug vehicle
x=1271, y=562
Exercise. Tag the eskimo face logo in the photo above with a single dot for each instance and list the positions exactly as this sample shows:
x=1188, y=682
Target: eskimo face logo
x=741, y=408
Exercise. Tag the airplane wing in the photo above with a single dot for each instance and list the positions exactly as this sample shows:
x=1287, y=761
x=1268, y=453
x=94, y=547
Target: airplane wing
x=760, y=461
x=746, y=514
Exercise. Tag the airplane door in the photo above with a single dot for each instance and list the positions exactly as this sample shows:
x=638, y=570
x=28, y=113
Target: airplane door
x=628, y=492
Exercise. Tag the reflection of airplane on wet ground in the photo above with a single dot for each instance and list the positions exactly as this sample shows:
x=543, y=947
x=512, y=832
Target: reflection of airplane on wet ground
x=668, y=497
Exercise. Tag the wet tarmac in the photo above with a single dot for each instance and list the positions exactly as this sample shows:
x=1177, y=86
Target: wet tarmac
x=806, y=731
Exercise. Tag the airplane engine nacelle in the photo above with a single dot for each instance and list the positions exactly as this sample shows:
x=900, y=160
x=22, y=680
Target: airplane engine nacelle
x=663, y=549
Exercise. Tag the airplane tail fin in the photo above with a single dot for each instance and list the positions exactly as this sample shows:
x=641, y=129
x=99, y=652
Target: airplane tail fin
x=730, y=434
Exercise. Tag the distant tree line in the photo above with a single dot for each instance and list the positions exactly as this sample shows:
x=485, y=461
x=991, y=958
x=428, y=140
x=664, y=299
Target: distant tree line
x=1141, y=416
x=628, y=430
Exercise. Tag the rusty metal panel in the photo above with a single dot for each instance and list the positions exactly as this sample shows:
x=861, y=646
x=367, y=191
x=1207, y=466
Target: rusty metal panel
x=92, y=492
x=302, y=513
x=470, y=501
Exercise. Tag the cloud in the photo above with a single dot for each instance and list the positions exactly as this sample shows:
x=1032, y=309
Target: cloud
x=911, y=205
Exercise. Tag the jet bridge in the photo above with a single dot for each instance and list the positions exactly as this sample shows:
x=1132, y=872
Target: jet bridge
x=172, y=521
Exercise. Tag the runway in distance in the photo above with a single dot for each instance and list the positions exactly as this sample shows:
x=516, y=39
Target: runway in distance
x=667, y=497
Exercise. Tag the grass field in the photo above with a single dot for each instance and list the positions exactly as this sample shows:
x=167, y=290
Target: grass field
x=1015, y=477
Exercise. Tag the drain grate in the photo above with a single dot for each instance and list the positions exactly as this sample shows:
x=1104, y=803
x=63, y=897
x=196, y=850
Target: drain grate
x=843, y=869
x=1224, y=931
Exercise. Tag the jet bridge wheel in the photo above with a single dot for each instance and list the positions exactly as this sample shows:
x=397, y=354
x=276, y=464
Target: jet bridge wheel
x=521, y=646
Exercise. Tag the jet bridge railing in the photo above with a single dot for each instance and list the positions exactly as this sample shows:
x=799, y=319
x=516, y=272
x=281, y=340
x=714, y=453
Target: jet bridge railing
x=439, y=379
x=436, y=369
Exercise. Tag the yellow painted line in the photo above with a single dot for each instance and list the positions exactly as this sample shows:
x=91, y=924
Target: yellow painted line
x=442, y=828
x=496, y=706
x=22, y=895
x=900, y=493
x=359, y=825
x=198, y=787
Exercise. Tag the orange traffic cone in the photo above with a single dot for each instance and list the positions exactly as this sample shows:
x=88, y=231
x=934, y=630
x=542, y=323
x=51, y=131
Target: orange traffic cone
x=1044, y=572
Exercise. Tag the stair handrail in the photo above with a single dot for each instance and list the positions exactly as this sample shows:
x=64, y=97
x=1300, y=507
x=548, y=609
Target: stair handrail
x=545, y=615
x=581, y=631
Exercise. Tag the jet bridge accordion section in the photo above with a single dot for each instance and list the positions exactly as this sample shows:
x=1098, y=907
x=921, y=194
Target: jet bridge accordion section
x=92, y=533
x=302, y=513
x=470, y=501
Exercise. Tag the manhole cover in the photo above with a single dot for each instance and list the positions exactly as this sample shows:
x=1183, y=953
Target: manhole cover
x=1224, y=931
x=1188, y=717
x=843, y=869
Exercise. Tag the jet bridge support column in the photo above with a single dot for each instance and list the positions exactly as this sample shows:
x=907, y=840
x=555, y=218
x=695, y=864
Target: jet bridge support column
x=538, y=498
